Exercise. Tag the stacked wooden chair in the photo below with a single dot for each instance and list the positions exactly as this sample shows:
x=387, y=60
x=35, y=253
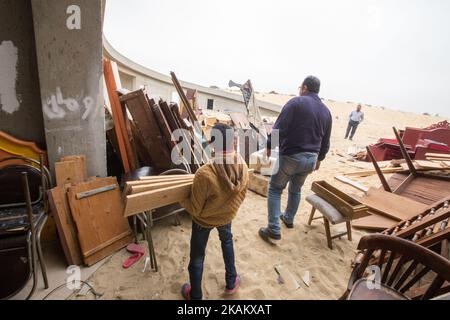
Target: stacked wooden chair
x=23, y=214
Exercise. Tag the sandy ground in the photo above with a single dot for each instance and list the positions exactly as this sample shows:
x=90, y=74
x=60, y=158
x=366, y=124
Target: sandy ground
x=301, y=251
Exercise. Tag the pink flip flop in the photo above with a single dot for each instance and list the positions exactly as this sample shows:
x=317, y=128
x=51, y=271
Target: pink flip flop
x=132, y=260
x=136, y=248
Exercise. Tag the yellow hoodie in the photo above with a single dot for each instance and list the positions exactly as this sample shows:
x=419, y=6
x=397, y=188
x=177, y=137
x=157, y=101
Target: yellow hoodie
x=218, y=191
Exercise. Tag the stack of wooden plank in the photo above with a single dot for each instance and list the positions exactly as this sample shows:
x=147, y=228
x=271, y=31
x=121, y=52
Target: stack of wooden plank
x=153, y=192
x=442, y=158
x=88, y=213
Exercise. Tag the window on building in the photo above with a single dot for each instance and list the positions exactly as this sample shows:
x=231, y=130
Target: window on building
x=210, y=104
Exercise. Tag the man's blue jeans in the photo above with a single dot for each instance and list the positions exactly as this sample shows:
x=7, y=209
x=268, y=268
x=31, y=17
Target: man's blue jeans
x=293, y=169
x=199, y=240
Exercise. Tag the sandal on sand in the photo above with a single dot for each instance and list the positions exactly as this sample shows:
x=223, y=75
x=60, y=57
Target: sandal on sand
x=237, y=283
x=186, y=291
x=136, y=248
x=132, y=260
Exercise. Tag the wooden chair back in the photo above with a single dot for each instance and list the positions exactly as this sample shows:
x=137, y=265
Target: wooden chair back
x=402, y=264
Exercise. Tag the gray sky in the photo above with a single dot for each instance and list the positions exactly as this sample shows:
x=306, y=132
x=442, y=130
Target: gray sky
x=392, y=53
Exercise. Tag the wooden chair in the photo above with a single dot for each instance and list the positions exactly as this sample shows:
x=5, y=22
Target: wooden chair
x=23, y=214
x=329, y=214
x=403, y=270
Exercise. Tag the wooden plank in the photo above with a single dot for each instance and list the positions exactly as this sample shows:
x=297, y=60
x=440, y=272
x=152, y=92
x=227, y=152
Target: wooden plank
x=80, y=158
x=366, y=173
x=163, y=125
x=65, y=225
x=352, y=183
x=378, y=170
x=72, y=171
x=149, y=200
x=156, y=186
x=167, y=177
x=392, y=205
x=428, y=164
x=374, y=222
x=112, y=80
x=438, y=155
x=259, y=184
x=99, y=219
x=183, y=97
x=422, y=189
x=136, y=102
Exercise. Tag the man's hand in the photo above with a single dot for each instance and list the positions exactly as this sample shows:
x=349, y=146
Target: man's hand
x=317, y=166
x=268, y=152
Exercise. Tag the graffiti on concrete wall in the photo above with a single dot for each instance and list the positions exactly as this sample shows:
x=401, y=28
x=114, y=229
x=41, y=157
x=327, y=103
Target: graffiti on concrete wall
x=57, y=107
x=73, y=22
x=9, y=102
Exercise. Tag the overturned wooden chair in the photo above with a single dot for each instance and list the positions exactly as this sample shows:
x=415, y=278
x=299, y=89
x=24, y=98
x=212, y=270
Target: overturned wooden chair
x=402, y=270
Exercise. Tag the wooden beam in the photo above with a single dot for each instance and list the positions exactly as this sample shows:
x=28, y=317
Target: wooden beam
x=150, y=200
x=378, y=170
x=405, y=154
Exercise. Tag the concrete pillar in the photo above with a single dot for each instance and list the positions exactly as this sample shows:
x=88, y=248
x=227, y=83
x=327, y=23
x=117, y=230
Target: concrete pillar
x=20, y=101
x=68, y=36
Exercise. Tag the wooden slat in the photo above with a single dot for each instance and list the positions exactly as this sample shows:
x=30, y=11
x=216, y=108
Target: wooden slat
x=375, y=222
x=112, y=81
x=156, y=186
x=149, y=200
x=65, y=225
x=391, y=205
x=438, y=155
x=168, y=177
x=99, y=219
x=421, y=189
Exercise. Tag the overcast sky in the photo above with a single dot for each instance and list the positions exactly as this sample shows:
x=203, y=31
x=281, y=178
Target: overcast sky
x=391, y=53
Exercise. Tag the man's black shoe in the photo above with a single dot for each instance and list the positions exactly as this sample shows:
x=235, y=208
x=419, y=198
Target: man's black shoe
x=288, y=225
x=267, y=235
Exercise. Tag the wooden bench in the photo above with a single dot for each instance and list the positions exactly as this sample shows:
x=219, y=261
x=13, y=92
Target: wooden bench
x=329, y=214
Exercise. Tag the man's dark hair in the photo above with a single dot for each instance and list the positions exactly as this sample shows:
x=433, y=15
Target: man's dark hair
x=225, y=133
x=312, y=83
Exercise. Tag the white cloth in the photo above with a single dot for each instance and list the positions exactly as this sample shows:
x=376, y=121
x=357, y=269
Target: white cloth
x=357, y=116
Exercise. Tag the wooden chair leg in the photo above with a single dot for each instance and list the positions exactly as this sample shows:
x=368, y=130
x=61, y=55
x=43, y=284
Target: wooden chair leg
x=328, y=232
x=311, y=216
x=349, y=230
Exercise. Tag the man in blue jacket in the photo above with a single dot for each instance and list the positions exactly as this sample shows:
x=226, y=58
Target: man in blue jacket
x=304, y=126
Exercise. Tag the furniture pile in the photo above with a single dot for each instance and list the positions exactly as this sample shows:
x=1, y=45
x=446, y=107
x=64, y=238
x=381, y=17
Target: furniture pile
x=418, y=142
x=88, y=213
x=145, y=129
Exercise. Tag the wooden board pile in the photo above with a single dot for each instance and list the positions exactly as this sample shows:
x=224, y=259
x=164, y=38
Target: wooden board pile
x=153, y=192
x=439, y=158
x=88, y=213
x=144, y=127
